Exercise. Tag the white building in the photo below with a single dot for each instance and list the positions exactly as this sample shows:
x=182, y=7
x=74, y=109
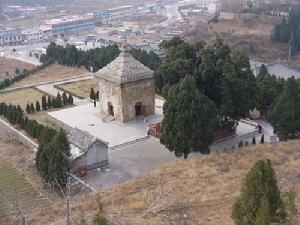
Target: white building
x=114, y=17
x=10, y=36
x=33, y=35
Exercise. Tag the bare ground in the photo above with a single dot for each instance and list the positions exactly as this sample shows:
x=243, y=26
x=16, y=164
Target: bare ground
x=9, y=65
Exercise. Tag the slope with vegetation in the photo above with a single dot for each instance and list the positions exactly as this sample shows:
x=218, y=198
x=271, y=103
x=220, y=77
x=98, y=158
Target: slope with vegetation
x=197, y=191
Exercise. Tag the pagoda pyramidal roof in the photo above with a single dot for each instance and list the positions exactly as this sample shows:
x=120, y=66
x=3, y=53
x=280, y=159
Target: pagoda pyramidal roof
x=124, y=69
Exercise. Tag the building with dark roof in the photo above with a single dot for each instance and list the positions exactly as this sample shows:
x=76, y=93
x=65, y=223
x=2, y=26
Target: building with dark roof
x=87, y=151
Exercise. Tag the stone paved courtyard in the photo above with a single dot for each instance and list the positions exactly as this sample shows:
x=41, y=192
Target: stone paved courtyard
x=86, y=117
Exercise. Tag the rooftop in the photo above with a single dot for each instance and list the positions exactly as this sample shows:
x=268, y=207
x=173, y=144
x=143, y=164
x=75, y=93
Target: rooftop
x=124, y=69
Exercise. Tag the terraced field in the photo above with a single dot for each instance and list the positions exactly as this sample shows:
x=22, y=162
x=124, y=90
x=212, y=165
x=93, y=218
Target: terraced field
x=16, y=190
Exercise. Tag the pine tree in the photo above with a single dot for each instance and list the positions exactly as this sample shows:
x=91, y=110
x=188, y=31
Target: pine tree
x=32, y=109
x=259, y=193
x=44, y=103
x=37, y=106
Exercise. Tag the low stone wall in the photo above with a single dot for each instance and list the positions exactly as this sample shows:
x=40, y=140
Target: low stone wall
x=7, y=132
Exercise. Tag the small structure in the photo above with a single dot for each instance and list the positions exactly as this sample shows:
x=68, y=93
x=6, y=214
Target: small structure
x=127, y=88
x=87, y=151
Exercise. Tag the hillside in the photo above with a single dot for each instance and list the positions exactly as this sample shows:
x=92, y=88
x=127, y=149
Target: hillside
x=195, y=191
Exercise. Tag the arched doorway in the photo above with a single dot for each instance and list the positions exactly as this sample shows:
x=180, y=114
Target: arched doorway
x=110, y=109
x=138, y=109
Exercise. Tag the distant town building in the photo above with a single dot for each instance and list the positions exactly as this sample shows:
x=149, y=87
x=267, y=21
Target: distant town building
x=114, y=17
x=127, y=89
x=10, y=36
x=33, y=35
x=87, y=151
x=73, y=24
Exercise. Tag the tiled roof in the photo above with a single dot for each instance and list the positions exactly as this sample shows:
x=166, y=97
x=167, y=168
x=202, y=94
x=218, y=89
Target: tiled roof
x=82, y=139
x=124, y=69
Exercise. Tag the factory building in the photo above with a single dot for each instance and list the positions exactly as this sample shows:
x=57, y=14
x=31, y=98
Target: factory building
x=114, y=17
x=73, y=24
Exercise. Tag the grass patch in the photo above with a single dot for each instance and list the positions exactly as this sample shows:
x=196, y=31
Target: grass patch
x=9, y=65
x=80, y=89
x=22, y=97
x=52, y=73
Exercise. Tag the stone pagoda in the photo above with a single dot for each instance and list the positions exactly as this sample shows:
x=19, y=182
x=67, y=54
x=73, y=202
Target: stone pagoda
x=126, y=88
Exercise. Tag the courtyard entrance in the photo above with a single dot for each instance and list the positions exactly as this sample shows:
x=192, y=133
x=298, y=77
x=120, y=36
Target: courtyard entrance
x=111, y=109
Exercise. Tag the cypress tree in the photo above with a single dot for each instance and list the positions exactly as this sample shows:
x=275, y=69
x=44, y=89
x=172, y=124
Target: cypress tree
x=44, y=103
x=25, y=122
x=65, y=98
x=19, y=109
x=70, y=99
x=49, y=102
x=19, y=119
x=58, y=101
x=32, y=108
x=1, y=108
x=58, y=166
x=37, y=106
x=28, y=109
x=262, y=139
x=97, y=95
x=241, y=144
x=54, y=104
x=254, y=141
x=92, y=94
x=259, y=194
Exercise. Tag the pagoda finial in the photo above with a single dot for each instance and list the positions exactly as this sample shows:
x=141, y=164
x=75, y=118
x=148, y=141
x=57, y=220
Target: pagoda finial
x=124, y=46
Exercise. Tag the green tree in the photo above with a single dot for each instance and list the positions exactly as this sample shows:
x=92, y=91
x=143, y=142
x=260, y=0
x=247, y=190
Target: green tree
x=260, y=198
x=44, y=102
x=262, y=139
x=254, y=141
x=49, y=102
x=58, y=101
x=37, y=106
x=92, y=94
x=70, y=99
x=189, y=120
x=58, y=167
x=32, y=109
x=28, y=109
x=286, y=123
x=65, y=98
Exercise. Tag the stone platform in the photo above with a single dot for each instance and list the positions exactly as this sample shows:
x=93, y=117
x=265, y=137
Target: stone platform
x=86, y=117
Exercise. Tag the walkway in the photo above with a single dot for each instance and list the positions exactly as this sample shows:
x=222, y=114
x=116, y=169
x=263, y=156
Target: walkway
x=50, y=89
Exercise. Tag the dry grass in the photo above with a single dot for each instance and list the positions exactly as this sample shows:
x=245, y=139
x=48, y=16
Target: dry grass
x=9, y=65
x=51, y=73
x=80, y=89
x=20, y=160
x=198, y=191
x=22, y=97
